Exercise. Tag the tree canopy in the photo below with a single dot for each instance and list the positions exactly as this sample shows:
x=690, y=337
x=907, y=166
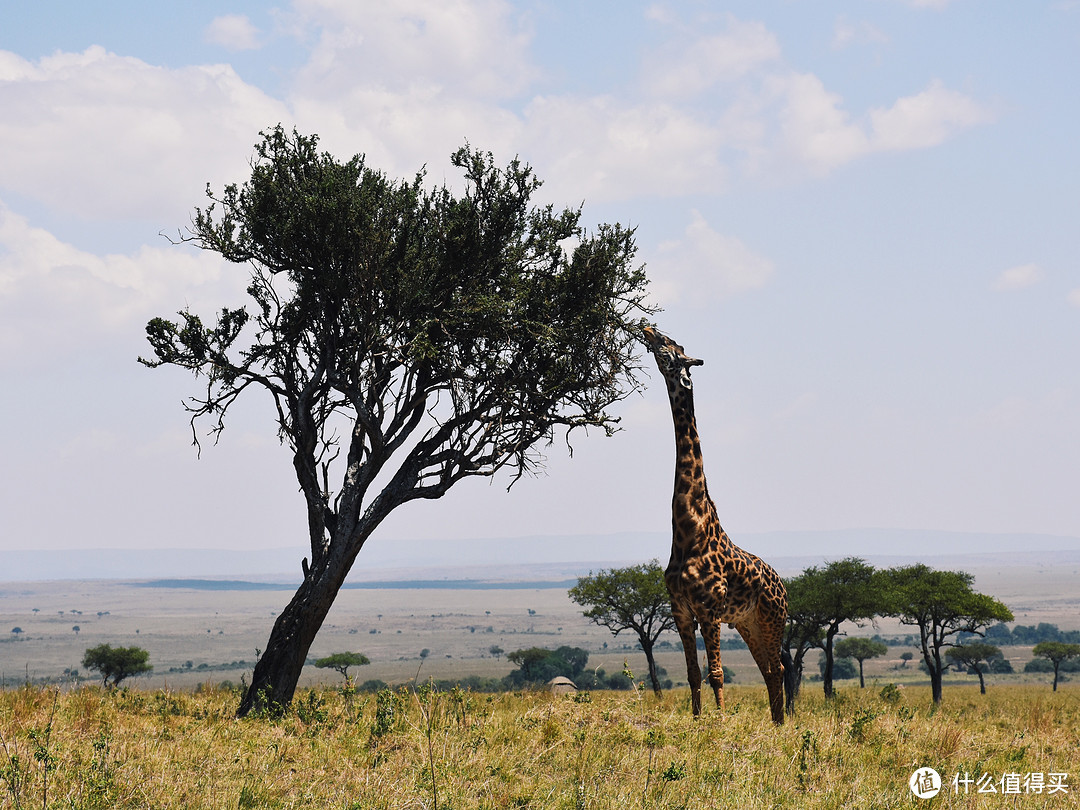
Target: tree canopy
x=116, y=663
x=341, y=662
x=1056, y=652
x=403, y=334
x=860, y=649
x=821, y=599
x=974, y=658
x=942, y=605
x=634, y=598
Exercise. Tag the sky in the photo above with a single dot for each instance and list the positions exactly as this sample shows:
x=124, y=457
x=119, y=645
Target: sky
x=862, y=215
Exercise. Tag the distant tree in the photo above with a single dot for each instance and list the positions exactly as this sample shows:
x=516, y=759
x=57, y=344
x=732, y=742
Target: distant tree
x=860, y=649
x=1056, y=652
x=342, y=661
x=802, y=632
x=424, y=653
x=406, y=339
x=537, y=665
x=843, y=668
x=634, y=598
x=942, y=605
x=905, y=658
x=116, y=663
x=496, y=650
x=974, y=658
x=825, y=598
x=16, y=631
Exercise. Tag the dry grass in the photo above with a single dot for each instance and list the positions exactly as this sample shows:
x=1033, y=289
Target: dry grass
x=88, y=748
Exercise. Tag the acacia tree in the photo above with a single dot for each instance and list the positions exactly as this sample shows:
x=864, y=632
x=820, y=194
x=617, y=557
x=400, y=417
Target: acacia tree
x=634, y=598
x=971, y=657
x=1056, y=652
x=822, y=599
x=941, y=604
x=403, y=335
x=802, y=633
x=860, y=649
x=341, y=661
x=117, y=663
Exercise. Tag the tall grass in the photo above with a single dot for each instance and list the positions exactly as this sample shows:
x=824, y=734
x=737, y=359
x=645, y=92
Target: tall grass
x=89, y=748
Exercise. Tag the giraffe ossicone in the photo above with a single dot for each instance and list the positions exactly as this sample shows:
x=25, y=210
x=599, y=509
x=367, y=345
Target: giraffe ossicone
x=712, y=581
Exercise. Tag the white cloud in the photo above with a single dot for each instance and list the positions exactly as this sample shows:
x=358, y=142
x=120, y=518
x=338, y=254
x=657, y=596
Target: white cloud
x=815, y=127
x=705, y=266
x=464, y=47
x=100, y=135
x=847, y=33
x=688, y=68
x=818, y=132
x=55, y=298
x=603, y=149
x=232, y=31
x=1018, y=278
x=926, y=119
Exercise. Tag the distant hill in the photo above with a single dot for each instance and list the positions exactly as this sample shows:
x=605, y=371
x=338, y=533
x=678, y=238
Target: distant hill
x=536, y=558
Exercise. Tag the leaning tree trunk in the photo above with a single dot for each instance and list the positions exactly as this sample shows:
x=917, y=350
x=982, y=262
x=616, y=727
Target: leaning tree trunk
x=278, y=669
x=654, y=676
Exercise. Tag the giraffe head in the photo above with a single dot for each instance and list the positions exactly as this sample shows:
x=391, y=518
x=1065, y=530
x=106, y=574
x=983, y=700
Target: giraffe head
x=672, y=361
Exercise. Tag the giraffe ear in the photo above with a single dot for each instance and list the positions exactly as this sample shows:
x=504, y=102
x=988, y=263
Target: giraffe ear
x=684, y=379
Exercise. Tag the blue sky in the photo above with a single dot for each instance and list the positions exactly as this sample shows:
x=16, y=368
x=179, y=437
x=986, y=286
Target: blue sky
x=862, y=215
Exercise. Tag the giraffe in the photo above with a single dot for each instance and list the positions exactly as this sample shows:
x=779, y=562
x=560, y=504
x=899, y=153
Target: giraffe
x=711, y=580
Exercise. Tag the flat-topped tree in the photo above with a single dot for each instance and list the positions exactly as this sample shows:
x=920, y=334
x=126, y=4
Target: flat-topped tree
x=1056, y=652
x=633, y=598
x=341, y=661
x=942, y=605
x=402, y=334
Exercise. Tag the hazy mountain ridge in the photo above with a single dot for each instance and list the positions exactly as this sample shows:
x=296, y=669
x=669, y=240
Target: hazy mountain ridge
x=540, y=558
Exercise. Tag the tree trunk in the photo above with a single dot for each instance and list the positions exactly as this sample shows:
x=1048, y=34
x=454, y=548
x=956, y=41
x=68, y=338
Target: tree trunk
x=982, y=683
x=827, y=675
x=862, y=683
x=278, y=670
x=647, y=646
x=1056, y=665
x=935, y=681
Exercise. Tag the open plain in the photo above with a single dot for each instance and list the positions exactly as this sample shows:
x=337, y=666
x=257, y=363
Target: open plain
x=209, y=631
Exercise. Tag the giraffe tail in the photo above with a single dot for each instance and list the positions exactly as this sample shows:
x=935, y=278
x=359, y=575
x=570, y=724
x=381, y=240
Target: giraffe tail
x=789, y=680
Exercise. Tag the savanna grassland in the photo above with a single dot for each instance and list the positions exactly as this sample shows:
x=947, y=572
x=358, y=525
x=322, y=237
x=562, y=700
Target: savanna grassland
x=90, y=748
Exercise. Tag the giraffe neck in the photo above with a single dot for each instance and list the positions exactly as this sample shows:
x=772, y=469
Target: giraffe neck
x=693, y=514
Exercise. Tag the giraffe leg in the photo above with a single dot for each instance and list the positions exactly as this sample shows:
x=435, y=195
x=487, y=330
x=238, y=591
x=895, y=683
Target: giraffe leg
x=687, y=626
x=710, y=631
x=765, y=648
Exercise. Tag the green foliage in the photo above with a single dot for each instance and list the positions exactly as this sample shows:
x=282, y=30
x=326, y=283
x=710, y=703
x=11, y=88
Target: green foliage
x=311, y=709
x=820, y=600
x=537, y=665
x=859, y=648
x=843, y=668
x=389, y=712
x=342, y=661
x=942, y=605
x=1058, y=654
x=117, y=663
x=634, y=598
x=973, y=655
x=367, y=291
